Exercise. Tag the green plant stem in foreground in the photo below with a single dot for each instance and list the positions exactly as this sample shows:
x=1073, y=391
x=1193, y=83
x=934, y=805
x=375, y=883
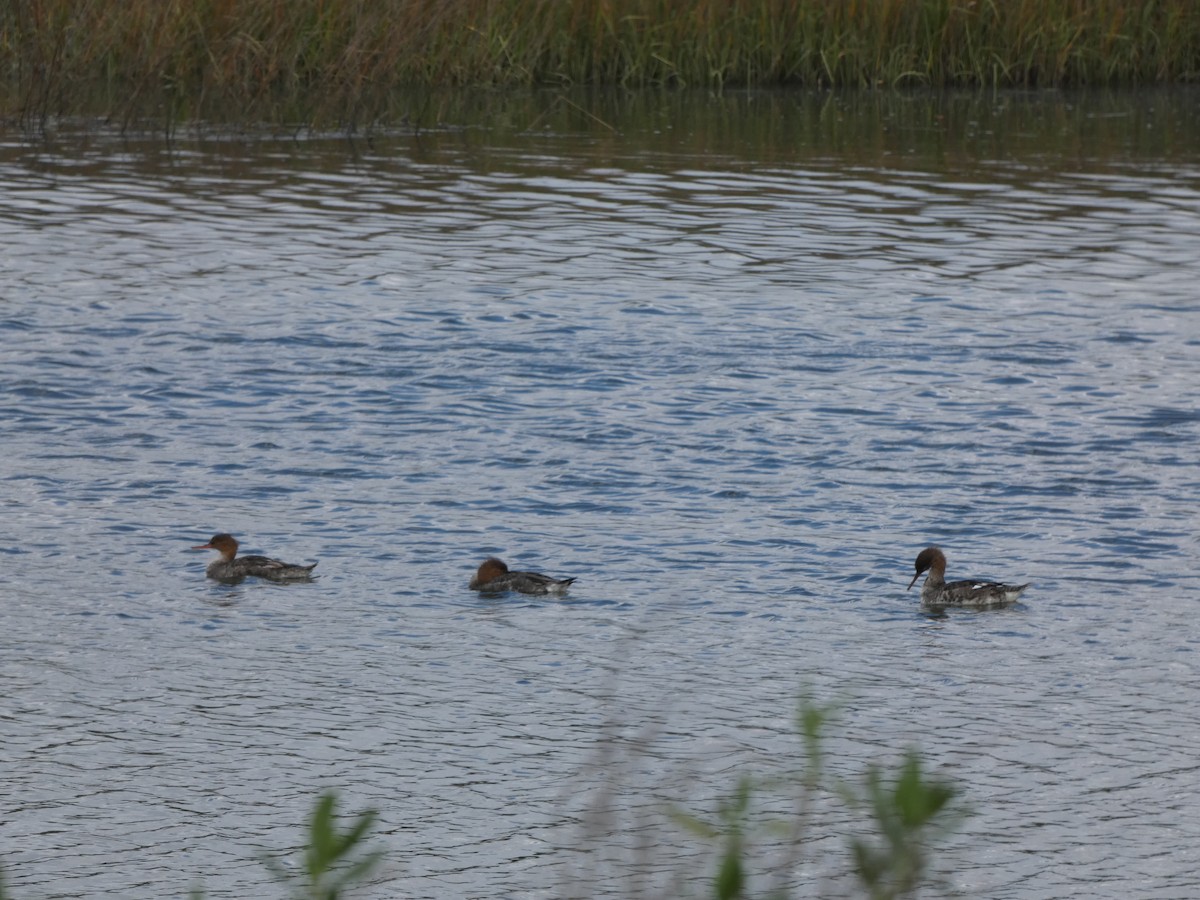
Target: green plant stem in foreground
x=906, y=812
x=185, y=59
x=330, y=866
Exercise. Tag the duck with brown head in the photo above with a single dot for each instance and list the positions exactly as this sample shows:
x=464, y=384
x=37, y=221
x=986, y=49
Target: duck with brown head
x=936, y=591
x=231, y=568
x=493, y=576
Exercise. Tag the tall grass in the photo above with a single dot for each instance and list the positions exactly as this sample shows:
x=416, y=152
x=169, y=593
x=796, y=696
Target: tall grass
x=182, y=57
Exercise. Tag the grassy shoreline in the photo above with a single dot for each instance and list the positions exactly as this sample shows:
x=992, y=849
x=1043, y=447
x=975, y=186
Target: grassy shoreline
x=340, y=56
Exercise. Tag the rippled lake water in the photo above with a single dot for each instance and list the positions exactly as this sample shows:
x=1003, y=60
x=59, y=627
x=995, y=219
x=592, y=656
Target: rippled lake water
x=731, y=362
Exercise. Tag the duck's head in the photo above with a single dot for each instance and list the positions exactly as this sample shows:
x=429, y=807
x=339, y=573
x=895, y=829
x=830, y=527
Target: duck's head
x=492, y=568
x=222, y=543
x=488, y=569
x=929, y=558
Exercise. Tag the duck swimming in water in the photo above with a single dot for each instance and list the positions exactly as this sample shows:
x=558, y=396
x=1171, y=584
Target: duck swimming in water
x=232, y=568
x=936, y=592
x=493, y=576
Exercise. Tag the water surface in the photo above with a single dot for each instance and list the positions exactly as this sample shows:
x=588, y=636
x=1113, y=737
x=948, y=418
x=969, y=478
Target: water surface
x=731, y=362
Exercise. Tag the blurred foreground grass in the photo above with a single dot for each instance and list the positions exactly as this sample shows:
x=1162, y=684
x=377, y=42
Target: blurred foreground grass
x=906, y=810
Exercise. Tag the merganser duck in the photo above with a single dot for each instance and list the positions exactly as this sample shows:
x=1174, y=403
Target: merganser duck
x=493, y=575
x=231, y=570
x=935, y=591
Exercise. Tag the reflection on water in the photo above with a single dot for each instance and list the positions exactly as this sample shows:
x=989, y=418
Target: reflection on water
x=731, y=361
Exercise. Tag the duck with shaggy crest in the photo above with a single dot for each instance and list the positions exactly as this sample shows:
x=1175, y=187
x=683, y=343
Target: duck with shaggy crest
x=231, y=568
x=936, y=592
x=493, y=576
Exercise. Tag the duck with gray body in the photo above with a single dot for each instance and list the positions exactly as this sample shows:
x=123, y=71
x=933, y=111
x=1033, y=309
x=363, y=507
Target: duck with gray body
x=493, y=576
x=231, y=568
x=937, y=592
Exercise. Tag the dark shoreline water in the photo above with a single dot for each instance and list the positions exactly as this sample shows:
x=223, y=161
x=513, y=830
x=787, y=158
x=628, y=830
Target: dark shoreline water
x=1051, y=127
